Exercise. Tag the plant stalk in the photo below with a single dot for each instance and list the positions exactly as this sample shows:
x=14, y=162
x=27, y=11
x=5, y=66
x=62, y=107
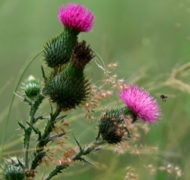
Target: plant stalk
x=28, y=132
x=78, y=156
x=39, y=153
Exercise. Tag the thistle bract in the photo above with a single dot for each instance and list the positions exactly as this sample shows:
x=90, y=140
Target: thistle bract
x=58, y=50
x=32, y=87
x=12, y=172
x=68, y=89
x=112, y=127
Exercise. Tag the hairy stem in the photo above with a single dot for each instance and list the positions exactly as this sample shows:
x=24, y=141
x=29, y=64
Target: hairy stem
x=78, y=156
x=33, y=110
x=39, y=154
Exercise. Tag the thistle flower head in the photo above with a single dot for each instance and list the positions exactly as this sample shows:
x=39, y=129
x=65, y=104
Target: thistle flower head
x=141, y=103
x=75, y=16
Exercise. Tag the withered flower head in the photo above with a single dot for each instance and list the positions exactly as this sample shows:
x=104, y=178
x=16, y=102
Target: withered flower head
x=81, y=55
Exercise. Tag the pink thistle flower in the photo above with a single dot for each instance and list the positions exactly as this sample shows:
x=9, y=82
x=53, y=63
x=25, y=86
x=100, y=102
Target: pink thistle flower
x=141, y=103
x=75, y=16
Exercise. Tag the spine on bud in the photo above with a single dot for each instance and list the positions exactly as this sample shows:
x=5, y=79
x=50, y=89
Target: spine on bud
x=13, y=172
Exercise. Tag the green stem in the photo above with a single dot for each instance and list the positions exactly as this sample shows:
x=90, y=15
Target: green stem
x=33, y=110
x=39, y=154
x=12, y=101
x=90, y=148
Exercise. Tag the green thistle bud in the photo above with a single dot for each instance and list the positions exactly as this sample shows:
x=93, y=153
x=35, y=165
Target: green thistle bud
x=69, y=87
x=12, y=172
x=32, y=87
x=113, y=127
x=58, y=50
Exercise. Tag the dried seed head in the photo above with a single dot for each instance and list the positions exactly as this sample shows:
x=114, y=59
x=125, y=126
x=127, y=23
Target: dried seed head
x=81, y=55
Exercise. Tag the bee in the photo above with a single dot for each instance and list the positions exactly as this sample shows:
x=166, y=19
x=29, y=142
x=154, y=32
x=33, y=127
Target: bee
x=163, y=97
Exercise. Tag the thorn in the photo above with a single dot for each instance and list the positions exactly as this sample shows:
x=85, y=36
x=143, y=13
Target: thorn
x=34, y=129
x=86, y=161
x=55, y=136
x=23, y=98
x=40, y=117
x=20, y=163
x=43, y=73
x=80, y=148
x=97, y=149
x=98, y=136
x=60, y=118
x=22, y=126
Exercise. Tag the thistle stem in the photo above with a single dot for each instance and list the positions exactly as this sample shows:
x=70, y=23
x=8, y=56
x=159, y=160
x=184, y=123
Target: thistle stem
x=39, y=154
x=28, y=132
x=78, y=156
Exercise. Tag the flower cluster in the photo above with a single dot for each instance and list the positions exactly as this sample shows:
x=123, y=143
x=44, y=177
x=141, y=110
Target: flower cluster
x=67, y=85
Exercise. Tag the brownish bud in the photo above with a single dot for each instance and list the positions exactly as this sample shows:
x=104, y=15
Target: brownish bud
x=81, y=55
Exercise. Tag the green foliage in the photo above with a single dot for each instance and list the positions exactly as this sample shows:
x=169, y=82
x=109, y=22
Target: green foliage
x=12, y=172
x=58, y=50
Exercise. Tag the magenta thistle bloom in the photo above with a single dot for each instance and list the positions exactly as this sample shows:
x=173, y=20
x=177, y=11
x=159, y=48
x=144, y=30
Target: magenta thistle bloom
x=141, y=103
x=75, y=16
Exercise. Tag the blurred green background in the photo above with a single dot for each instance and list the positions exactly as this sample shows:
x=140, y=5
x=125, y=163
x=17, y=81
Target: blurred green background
x=150, y=37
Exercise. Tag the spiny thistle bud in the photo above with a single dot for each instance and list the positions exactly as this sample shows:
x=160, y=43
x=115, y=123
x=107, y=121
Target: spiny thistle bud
x=58, y=50
x=113, y=126
x=12, y=172
x=32, y=87
x=69, y=87
x=67, y=90
x=81, y=55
